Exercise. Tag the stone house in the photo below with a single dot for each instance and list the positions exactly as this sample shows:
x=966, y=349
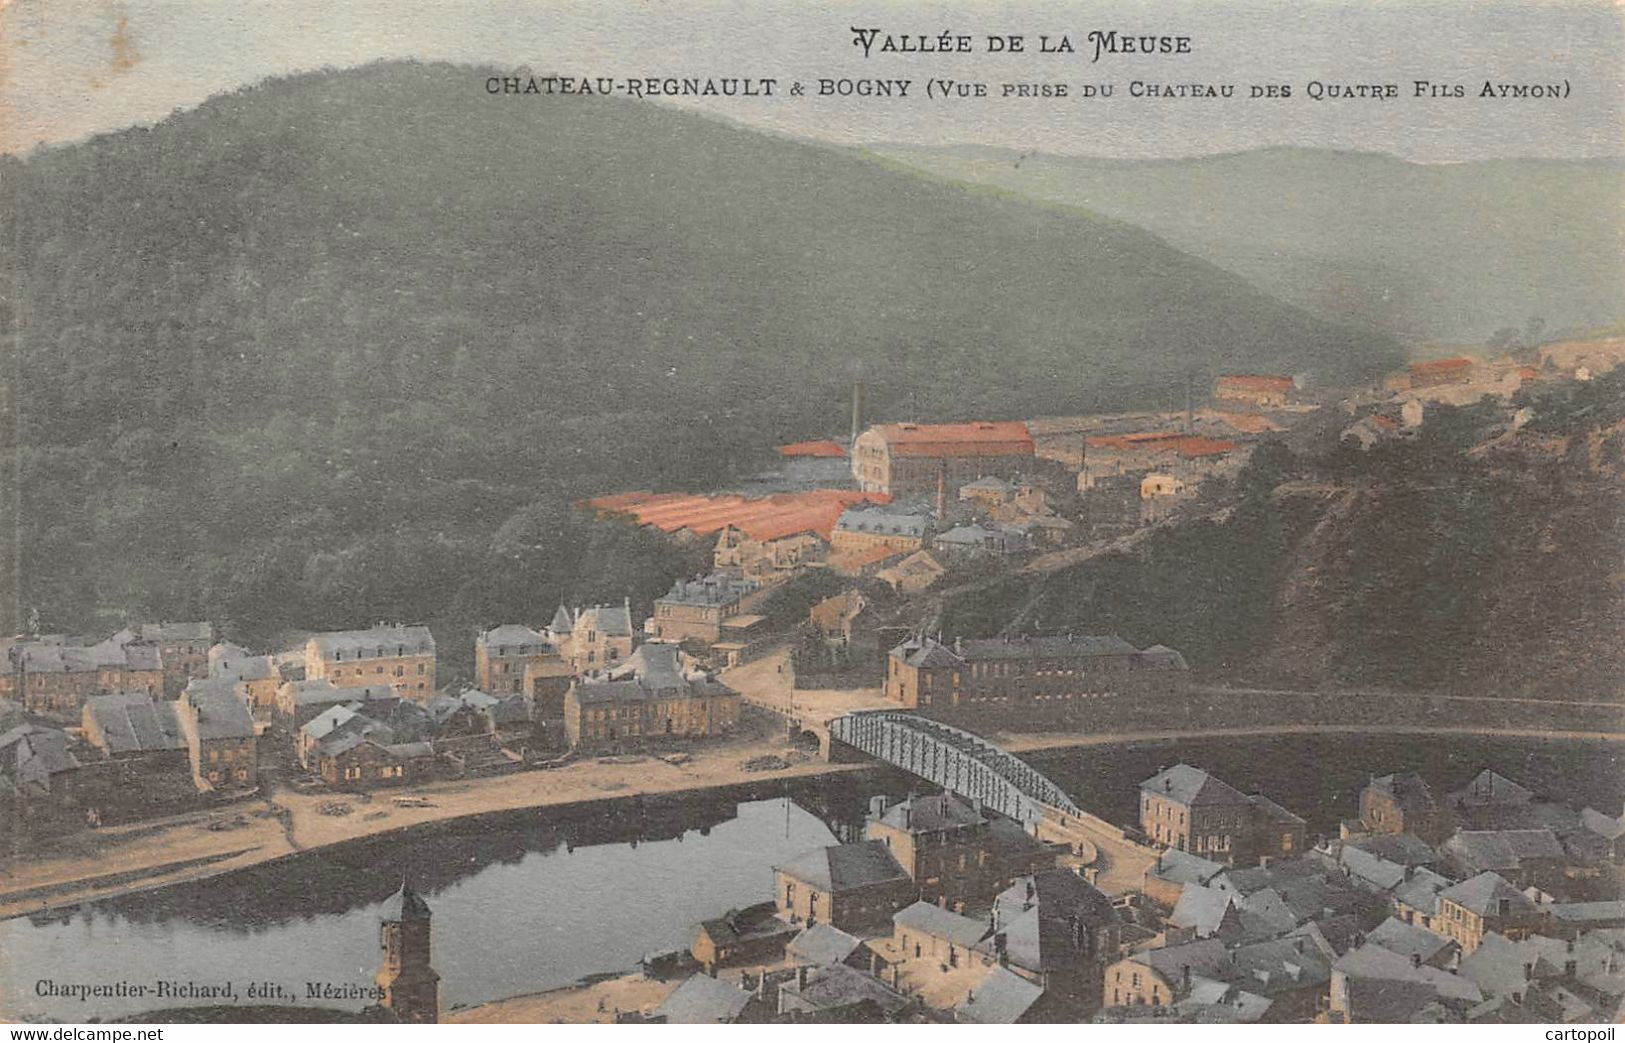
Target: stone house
x=1485, y=904
x=402, y=657
x=221, y=739
x=650, y=698
x=956, y=852
x=505, y=656
x=697, y=610
x=1186, y=808
x=1402, y=803
x=913, y=574
x=854, y=887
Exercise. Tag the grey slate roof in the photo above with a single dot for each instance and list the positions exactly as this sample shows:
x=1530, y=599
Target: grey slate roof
x=1407, y=789
x=1275, y=812
x=1047, y=646
x=1488, y=788
x=881, y=520
x=1421, y=891
x=375, y=642
x=32, y=753
x=931, y=814
x=1374, y=963
x=1280, y=965
x=1403, y=848
x=1375, y=871
x=845, y=867
x=703, y=1000
x=219, y=711
x=1001, y=998
x=1191, y=786
x=322, y=690
x=1201, y=909
x=404, y=905
x=654, y=671
x=822, y=943
x=930, y=918
x=1038, y=916
x=1482, y=893
x=1408, y=940
x=1581, y=913
x=1206, y=957
x=1481, y=850
x=134, y=722
x=610, y=620
x=716, y=589
x=514, y=636
x=1182, y=867
x=325, y=723
x=837, y=985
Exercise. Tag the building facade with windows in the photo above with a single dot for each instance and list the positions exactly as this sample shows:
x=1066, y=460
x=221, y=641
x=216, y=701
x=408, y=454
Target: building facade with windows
x=652, y=697
x=402, y=657
x=1187, y=809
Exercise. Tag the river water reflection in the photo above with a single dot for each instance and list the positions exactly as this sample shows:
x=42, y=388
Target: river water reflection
x=523, y=903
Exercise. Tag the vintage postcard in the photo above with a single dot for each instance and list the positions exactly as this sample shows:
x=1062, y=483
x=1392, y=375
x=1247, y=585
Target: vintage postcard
x=892, y=513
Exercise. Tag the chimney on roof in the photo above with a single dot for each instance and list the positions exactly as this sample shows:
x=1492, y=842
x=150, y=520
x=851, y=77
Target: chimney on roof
x=801, y=977
x=1528, y=971
x=1416, y=959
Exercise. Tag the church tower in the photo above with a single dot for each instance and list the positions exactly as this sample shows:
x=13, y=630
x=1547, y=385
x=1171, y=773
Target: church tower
x=411, y=987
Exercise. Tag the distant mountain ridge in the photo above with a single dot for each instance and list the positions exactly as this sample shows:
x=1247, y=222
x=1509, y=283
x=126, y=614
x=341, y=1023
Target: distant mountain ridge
x=325, y=350
x=1424, y=252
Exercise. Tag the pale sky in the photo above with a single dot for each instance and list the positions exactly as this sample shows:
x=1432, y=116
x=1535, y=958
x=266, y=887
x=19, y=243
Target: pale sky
x=70, y=68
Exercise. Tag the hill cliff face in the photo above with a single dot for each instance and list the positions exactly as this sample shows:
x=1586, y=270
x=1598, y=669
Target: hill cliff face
x=1453, y=252
x=1475, y=560
x=338, y=347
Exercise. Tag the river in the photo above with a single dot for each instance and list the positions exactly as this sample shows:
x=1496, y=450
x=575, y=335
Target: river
x=523, y=902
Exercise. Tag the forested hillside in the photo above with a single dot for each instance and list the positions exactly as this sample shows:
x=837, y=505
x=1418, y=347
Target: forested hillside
x=1474, y=559
x=345, y=347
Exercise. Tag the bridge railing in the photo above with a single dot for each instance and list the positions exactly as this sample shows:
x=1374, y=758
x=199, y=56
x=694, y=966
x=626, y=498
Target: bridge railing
x=957, y=760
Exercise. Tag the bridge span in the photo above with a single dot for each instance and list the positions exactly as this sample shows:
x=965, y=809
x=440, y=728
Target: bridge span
x=954, y=759
x=973, y=767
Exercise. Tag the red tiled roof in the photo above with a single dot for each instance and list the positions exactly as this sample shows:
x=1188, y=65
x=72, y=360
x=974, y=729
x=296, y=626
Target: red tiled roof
x=1255, y=382
x=1441, y=365
x=976, y=438
x=1163, y=442
x=761, y=518
x=822, y=447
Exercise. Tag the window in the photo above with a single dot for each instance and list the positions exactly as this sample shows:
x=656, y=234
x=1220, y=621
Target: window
x=421, y=668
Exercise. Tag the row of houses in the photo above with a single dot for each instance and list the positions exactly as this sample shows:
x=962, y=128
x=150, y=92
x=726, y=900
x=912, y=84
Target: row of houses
x=1377, y=925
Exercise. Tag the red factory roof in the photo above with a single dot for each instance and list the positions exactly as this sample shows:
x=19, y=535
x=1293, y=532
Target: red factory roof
x=1163, y=442
x=823, y=447
x=1256, y=381
x=1441, y=366
x=976, y=438
x=760, y=518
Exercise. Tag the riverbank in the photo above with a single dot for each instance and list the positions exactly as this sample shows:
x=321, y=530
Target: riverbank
x=108, y=863
x=593, y=1003
x=111, y=862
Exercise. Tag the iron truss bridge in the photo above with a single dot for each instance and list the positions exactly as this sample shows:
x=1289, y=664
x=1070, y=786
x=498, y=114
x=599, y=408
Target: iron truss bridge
x=956, y=760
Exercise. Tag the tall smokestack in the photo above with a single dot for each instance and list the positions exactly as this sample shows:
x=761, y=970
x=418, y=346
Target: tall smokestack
x=942, y=492
x=857, y=410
